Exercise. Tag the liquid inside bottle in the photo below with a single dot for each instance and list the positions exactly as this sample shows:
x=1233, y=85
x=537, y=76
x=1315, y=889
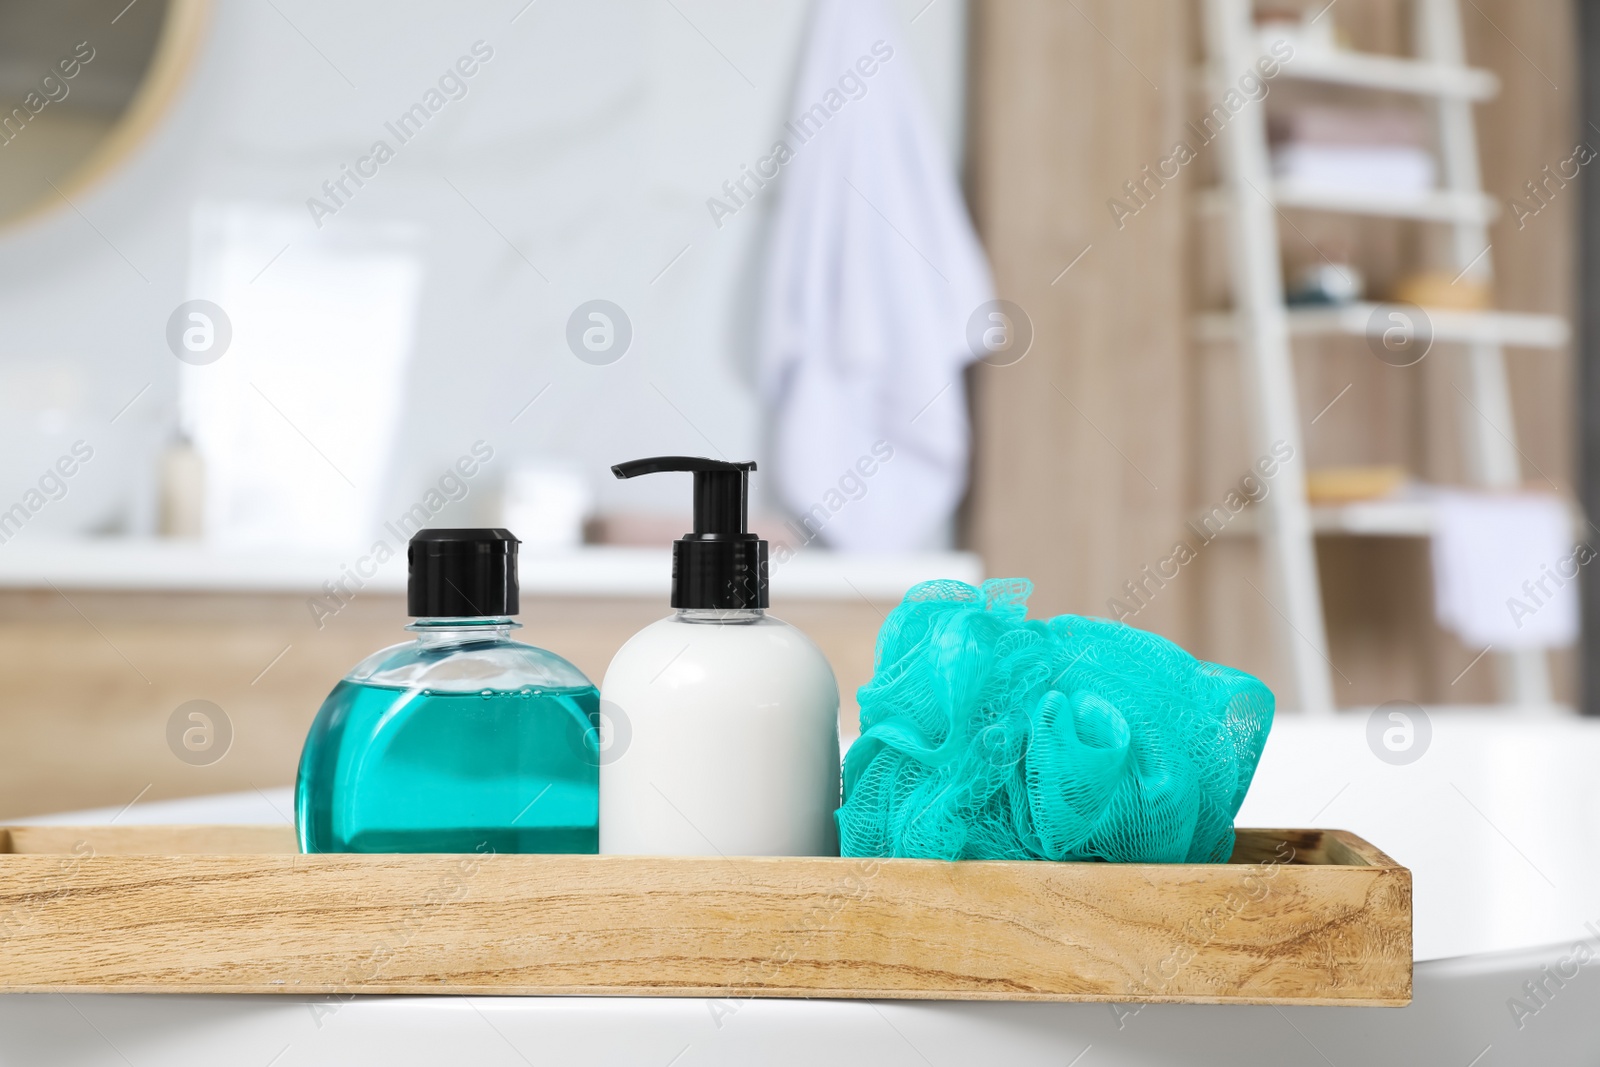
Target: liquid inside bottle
x=461, y=741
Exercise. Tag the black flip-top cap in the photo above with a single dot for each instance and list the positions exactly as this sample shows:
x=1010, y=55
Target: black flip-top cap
x=721, y=565
x=458, y=574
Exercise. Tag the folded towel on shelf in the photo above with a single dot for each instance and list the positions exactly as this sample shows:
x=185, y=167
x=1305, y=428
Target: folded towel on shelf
x=1352, y=149
x=1363, y=126
x=1396, y=169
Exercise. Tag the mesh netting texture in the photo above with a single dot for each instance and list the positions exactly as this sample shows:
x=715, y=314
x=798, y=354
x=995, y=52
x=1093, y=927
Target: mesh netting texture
x=988, y=735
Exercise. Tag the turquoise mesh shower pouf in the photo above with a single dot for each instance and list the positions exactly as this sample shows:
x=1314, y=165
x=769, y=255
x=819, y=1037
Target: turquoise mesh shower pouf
x=989, y=735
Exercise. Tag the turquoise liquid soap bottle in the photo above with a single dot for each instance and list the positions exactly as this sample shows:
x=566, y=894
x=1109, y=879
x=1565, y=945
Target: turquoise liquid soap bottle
x=462, y=740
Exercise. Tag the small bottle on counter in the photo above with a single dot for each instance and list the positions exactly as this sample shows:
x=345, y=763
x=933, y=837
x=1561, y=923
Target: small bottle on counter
x=183, y=490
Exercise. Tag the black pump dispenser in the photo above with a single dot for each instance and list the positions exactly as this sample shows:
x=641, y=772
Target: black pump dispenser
x=721, y=565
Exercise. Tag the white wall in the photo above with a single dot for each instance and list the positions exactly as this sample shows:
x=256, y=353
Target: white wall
x=590, y=142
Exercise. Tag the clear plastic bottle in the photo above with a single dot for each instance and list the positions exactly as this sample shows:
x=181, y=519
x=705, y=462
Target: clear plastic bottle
x=460, y=741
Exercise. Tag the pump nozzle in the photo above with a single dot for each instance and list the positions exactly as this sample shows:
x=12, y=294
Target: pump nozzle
x=720, y=564
x=720, y=490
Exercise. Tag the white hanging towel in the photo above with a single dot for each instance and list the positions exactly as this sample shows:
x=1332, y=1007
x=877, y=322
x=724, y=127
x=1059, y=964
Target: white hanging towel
x=1504, y=569
x=873, y=273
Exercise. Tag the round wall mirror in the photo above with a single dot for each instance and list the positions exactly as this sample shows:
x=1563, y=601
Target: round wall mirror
x=81, y=84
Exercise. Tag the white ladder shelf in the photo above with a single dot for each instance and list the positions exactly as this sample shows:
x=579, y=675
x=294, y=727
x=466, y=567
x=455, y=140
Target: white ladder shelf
x=1263, y=326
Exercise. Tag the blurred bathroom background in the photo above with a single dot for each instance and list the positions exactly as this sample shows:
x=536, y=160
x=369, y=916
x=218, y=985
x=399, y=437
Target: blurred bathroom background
x=283, y=281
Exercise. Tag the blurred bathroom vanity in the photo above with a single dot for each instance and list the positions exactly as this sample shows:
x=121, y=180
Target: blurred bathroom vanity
x=102, y=641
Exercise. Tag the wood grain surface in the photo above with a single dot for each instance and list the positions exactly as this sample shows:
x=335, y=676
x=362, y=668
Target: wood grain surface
x=1299, y=917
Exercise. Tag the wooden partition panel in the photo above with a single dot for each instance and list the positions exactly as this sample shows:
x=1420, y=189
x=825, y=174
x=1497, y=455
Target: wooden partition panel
x=1083, y=464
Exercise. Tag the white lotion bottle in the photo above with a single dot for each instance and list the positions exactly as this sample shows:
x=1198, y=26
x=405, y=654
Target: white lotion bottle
x=722, y=721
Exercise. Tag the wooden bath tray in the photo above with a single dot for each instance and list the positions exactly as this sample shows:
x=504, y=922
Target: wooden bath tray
x=1297, y=917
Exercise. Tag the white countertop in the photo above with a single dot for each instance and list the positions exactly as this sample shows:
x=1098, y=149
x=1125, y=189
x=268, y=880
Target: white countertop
x=148, y=565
